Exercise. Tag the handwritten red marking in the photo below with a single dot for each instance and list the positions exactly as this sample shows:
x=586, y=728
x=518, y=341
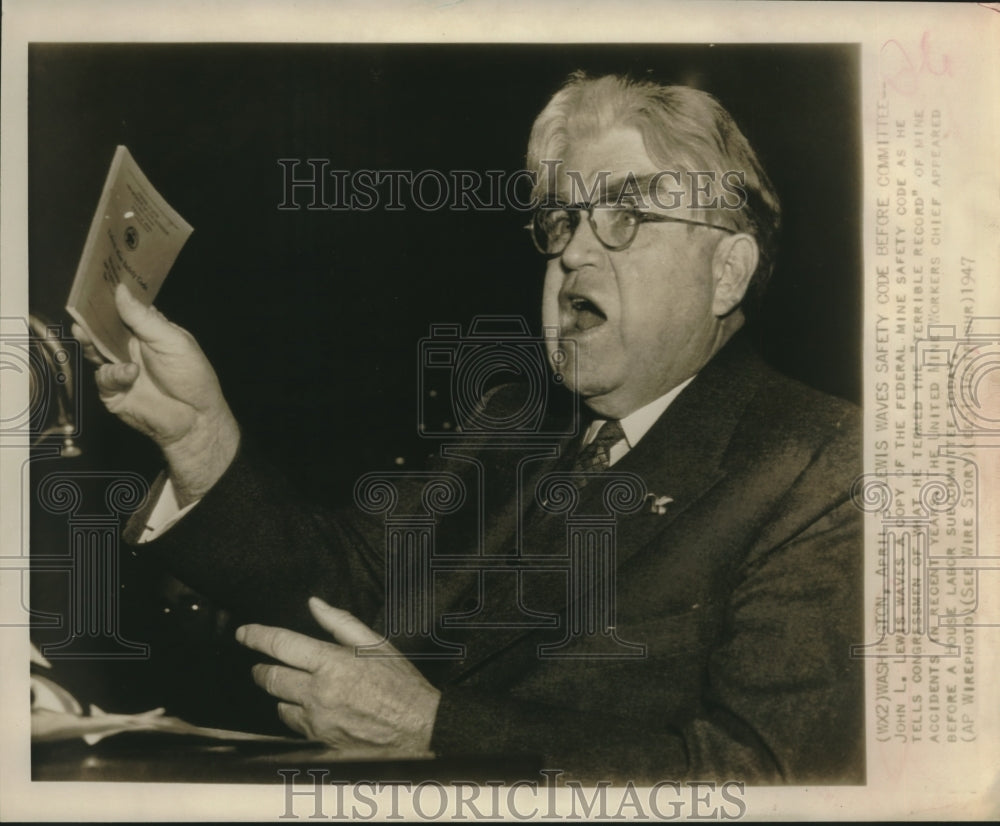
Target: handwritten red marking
x=902, y=72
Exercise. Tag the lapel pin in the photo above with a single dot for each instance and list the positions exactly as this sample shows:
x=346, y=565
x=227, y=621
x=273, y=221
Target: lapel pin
x=658, y=504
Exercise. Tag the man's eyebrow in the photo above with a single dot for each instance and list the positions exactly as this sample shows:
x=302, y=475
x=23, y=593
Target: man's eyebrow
x=616, y=185
x=611, y=189
x=620, y=180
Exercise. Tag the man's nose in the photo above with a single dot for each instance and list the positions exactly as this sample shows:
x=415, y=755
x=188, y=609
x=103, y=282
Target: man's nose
x=583, y=247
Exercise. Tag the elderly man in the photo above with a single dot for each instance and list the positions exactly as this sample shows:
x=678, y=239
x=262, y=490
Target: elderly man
x=737, y=592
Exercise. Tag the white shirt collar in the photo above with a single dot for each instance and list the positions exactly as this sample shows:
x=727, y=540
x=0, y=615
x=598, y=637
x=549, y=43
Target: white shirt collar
x=637, y=423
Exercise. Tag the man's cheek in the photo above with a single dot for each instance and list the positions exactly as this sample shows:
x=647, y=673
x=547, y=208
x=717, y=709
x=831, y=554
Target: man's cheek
x=550, y=296
x=598, y=362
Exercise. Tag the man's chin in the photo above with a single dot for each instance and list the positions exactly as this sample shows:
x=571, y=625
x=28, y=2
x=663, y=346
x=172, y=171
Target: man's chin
x=593, y=390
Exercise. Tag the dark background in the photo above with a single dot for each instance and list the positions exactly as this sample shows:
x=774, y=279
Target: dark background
x=312, y=318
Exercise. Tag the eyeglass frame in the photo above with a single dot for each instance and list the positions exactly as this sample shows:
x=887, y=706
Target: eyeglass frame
x=643, y=217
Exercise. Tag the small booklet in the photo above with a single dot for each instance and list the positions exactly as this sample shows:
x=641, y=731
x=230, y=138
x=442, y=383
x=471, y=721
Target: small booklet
x=134, y=239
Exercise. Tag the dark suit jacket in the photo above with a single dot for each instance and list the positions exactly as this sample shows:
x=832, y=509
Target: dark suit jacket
x=746, y=592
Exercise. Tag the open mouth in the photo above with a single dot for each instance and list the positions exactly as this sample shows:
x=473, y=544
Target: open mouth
x=586, y=314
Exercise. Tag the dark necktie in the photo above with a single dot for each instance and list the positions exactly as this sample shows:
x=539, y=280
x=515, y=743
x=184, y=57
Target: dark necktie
x=596, y=456
x=593, y=457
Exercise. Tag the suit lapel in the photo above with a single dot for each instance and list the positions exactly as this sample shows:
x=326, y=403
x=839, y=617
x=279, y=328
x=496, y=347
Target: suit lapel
x=681, y=457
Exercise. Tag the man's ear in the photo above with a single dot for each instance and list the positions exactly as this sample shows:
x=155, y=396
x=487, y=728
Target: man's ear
x=733, y=265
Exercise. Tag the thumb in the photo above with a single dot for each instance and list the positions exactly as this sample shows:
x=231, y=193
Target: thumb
x=346, y=628
x=148, y=323
x=115, y=378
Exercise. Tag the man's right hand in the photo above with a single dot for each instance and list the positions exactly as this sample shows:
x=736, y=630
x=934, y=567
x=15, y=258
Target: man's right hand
x=169, y=392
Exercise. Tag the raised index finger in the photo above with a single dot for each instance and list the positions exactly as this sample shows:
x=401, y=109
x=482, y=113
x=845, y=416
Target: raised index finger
x=89, y=350
x=290, y=647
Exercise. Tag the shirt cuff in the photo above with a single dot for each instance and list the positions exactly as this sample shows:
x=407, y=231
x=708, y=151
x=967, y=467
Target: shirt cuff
x=166, y=513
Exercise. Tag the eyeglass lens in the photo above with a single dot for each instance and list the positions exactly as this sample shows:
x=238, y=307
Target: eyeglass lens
x=554, y=227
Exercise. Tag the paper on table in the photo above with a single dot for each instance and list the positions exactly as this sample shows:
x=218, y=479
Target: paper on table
x=56, y=715
x=134, y=239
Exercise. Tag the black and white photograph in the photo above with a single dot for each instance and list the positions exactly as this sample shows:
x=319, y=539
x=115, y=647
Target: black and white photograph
x=499, y=429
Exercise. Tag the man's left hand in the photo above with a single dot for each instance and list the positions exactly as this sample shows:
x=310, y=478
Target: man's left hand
x=327, y=692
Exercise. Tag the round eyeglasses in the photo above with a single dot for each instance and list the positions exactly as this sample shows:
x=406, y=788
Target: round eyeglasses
x=615, y=226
